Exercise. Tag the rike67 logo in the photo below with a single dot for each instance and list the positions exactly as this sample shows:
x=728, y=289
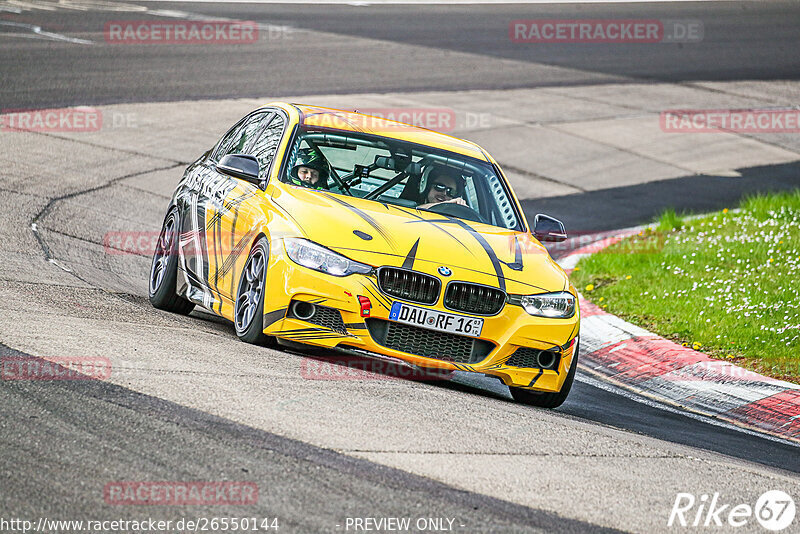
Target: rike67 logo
x=774, y=510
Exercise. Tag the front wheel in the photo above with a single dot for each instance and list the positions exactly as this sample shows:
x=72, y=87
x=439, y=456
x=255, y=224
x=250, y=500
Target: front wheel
x=249, y=308
x=164, y=269
x=549, y=400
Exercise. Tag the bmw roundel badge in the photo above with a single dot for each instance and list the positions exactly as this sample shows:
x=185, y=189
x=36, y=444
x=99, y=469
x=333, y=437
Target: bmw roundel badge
x=444, y=271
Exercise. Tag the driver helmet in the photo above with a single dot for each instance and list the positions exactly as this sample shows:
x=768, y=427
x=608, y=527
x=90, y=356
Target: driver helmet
x=312, y=159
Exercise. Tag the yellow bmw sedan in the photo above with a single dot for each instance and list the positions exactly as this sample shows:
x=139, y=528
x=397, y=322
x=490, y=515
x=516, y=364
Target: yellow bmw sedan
x=346, y=231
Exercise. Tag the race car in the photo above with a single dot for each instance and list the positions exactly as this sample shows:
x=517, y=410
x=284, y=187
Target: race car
x=346, y=231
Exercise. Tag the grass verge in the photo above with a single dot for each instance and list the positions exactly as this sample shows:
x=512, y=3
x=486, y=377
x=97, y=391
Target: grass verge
x=727, y=284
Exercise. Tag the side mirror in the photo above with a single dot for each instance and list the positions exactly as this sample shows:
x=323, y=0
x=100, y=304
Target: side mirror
x=240, y=166
x=546, y=228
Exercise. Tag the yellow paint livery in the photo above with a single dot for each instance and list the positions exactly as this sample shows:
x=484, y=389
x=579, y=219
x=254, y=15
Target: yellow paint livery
x=403, y=237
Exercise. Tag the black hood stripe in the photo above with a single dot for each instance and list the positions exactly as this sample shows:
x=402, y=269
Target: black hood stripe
x=498, y=269
x=408, y=263
x=517, y=265
x=367, y=217
x=443, y=230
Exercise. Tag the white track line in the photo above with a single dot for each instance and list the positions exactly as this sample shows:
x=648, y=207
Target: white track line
x=591, y=380
x=38, y=33
x=634, y=393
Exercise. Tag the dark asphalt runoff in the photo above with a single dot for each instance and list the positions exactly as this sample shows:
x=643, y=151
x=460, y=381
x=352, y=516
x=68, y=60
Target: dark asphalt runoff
x=98, y=432
x=741, y=40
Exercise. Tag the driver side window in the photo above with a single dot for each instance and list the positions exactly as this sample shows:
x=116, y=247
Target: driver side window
x=236, y=140
x=257, y=135
x=266, y=145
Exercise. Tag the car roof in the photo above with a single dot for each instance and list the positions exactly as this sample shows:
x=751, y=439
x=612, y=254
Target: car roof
x=354, y=121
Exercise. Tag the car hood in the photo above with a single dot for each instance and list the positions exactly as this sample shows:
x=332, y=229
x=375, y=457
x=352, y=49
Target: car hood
x=382, y=234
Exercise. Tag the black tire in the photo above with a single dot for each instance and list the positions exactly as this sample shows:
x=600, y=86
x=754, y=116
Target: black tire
x=549, y=400
x=164, y=269
x=248, y=311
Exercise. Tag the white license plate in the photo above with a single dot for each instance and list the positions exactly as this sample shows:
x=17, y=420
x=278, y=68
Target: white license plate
x=436, y=320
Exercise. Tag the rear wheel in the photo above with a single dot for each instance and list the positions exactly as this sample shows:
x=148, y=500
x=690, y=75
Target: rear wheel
x=549, y=400
x=249, y=308
x=164, y=269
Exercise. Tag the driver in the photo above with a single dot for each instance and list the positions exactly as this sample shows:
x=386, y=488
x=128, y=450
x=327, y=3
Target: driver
x=310, y=170
x=444, y=186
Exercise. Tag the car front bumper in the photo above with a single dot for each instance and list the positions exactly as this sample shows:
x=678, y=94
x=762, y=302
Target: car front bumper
x=511, y=329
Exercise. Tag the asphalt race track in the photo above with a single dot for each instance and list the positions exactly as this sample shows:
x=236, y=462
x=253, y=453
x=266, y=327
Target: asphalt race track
x=457, y=48
x=188, y=402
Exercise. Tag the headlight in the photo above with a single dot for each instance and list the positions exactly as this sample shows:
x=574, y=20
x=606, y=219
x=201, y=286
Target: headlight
x=319, y=258
x=558, y=305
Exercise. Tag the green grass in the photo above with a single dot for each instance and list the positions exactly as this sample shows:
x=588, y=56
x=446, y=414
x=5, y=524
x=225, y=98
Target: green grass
x=669, y=221
x=726, y=283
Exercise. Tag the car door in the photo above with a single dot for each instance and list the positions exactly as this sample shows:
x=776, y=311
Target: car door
x=207, y=190
x=232, y=226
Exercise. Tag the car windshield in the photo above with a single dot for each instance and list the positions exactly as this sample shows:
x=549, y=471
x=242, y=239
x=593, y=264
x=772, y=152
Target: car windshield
x=400, y=173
